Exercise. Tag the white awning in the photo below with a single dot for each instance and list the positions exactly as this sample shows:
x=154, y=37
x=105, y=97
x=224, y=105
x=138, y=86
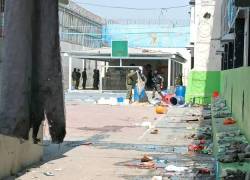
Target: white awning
x=134, y=54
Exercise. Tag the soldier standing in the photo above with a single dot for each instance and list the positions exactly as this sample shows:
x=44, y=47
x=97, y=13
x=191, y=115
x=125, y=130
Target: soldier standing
x=84, y=78
x=157, y=83
x=78, y=77
x=96, y=79
x=74, y=74
x=130, y=82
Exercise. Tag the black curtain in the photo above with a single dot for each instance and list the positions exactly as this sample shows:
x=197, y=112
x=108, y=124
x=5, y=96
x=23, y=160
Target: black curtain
x=31, y=74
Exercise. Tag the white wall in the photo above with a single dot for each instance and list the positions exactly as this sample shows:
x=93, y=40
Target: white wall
x=16, y=154
x=207, y=40
x=192, y=24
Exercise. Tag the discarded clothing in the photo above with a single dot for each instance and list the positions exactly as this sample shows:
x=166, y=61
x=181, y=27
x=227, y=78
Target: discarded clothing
x=31, y=73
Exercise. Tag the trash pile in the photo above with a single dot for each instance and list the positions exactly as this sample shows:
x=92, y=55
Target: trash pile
x=231, y=146
x=172, y=169
x=170, y=97
x=147, y=162
x=234, y=175
x=220, y=109
x=202, y=139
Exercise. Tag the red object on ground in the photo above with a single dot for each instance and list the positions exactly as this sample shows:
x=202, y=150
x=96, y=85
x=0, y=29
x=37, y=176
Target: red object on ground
x=167, y=98
x=229, y=121
x=204, y=171
x=202, y=141
x=216, y=94
x=193, y=147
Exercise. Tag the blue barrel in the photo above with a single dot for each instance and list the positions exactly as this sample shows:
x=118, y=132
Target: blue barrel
x=180, y=91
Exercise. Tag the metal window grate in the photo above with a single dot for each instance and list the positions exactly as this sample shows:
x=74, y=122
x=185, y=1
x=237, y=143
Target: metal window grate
x=2, y=5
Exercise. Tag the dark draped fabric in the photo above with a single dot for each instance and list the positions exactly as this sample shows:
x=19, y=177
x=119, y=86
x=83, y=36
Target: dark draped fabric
x=31, y=74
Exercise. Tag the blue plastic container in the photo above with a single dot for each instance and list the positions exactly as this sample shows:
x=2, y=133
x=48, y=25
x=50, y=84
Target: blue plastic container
x=120, y=99
x=180, y=91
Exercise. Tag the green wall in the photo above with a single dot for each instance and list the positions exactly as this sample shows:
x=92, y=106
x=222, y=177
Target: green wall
x=235, y=83
x=201, y=85
x=234, y=86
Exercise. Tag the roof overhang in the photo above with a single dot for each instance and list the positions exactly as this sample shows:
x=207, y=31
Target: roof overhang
x=137, y=54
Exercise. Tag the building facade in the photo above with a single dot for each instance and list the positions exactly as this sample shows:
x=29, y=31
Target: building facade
x=205, y=41
x=79, y=30
x=79, y=26
x=153, y=34
x=221, y=55
x=235, y=61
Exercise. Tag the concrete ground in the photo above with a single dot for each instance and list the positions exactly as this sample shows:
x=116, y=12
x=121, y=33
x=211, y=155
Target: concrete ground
x=106, y=143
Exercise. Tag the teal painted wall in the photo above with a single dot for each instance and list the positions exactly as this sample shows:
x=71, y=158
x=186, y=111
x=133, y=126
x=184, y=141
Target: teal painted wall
x=201, y=85
x=148, y=36
x=235, y=83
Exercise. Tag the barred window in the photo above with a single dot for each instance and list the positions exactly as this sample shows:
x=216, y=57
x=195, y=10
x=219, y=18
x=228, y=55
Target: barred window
x=2, y=5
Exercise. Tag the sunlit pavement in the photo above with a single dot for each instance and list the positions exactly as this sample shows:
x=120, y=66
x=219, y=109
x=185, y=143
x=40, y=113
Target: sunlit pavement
x=106, y=143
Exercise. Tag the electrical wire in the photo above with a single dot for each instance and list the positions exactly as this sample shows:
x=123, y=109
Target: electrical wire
x=131, y=8
x=170, y=26
x=113, y=34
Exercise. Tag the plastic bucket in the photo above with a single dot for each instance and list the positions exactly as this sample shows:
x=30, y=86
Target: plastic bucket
x=180, y=91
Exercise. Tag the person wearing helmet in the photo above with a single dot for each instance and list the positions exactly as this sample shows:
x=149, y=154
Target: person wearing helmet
x=157, y=83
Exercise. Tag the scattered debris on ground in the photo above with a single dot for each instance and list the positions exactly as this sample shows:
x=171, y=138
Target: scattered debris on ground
x=231, y=146
x=147, y=158
x=193, y=161
x=48, y=174
x=154, y=131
